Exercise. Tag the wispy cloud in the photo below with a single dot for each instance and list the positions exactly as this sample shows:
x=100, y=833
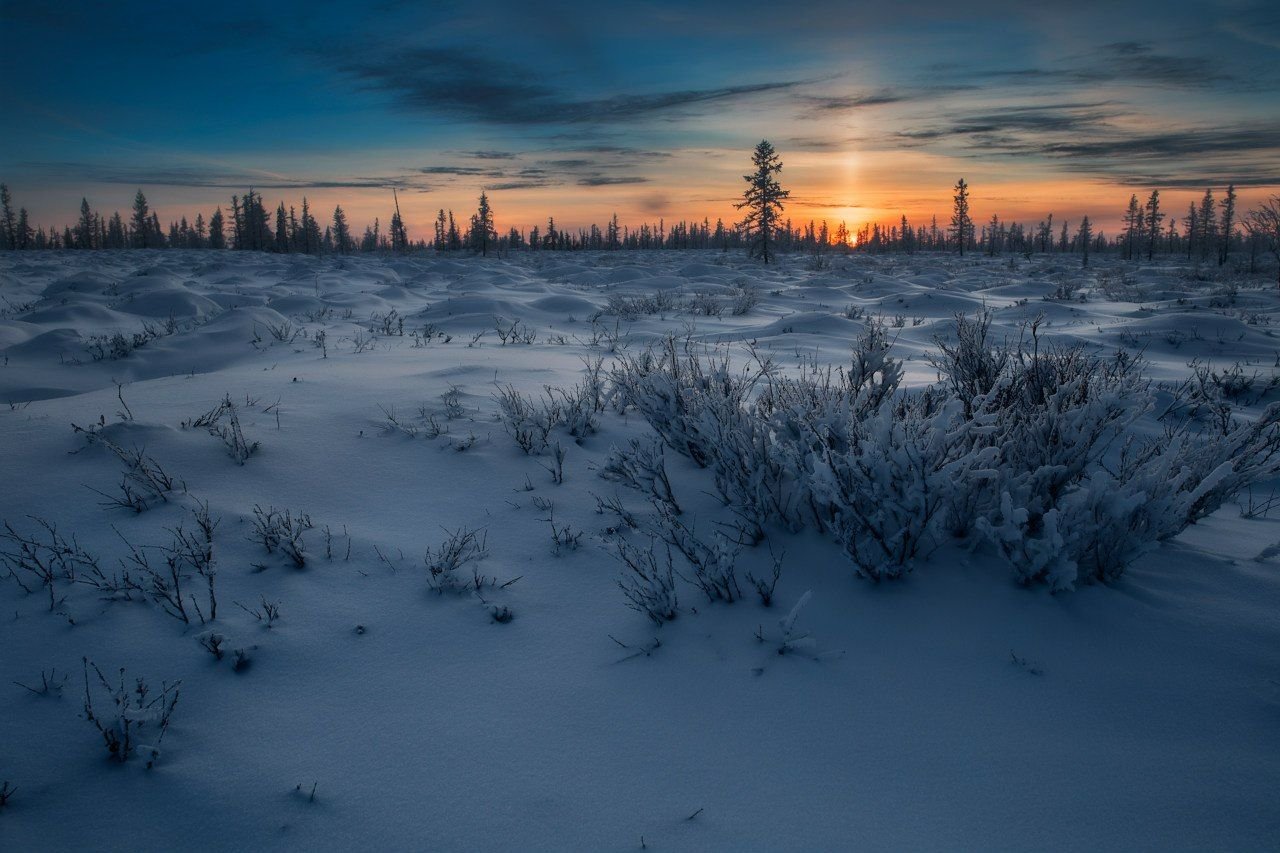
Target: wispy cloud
x=462, y=83
x=608, y=181
x=201, y=176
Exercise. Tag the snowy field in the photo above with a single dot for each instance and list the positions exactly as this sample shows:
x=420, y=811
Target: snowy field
x=355, y=698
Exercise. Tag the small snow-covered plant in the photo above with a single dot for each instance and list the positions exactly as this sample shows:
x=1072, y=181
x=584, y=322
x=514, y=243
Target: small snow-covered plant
x=713, y=565
x=793, y=640
x=144, y=480
x=285, y=332
x=223, y=421
x=594, y=385
x=704, y=303
x=189, y=553
x=6, y=793
x=765, y=587
x=527, y=423
x=563, y=537
x=267, y=612
x=574, y=408
x=647, y=580
x=452, y=399
x=392, y=422
x=281, y=530
x=745, y=297
x=971, y=364
x=641, y=465
x=44, y=558
x=212, y=642
x=50, y=685
x=130, y=713
x=238, y=447
x=885, y=495
x=613, y=506
x=461, y=546
x=515, y=333
x=556, y=466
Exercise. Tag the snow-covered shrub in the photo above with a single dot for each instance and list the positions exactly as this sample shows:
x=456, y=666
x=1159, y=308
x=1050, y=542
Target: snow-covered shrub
x=223, y=421
x=647, y=580
x=713, y=565
x=704, y=303
x=573, y=408
x=745, y=297
x=144, y=480
x=460, y=547
x=972, y=364
x=527, y=423
x=132, y=713
x=189, y=553
x=698, y=403
x=885, y=495
x=632, y=307
x=281, y=530
x=673, y=385
x=641, y=465
x=44, y=558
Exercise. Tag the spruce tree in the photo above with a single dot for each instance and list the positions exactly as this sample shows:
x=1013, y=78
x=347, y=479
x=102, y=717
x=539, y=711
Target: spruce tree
x=86, y=227
x=1228, y=223
x=8, y=226
x=763, y=200
x=482, y=230
x=399, y=236
x=282, y=230
x=217, y=237
x=341, y=232
x=1208, y=225
x=961, y=223
x=1153, y=219
x=1132, y=228
x=140, y=223
x=1084, y=237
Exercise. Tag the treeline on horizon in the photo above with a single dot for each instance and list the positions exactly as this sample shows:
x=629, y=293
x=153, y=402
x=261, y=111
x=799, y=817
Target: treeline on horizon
x=1209, y=232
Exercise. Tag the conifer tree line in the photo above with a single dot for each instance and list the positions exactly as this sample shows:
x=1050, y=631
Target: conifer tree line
x=1211, y=230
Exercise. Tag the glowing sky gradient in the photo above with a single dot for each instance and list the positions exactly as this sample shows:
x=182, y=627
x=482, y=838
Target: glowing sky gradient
x=645, y=109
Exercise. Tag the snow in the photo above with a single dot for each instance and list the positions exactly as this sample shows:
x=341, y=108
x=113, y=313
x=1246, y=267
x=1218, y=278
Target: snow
x=950, y=708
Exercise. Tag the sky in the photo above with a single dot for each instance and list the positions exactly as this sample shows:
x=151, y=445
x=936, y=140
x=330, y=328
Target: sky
x=646, y=109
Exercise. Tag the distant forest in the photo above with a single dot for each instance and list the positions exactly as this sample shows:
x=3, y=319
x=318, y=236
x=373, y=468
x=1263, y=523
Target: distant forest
x=1210, y=231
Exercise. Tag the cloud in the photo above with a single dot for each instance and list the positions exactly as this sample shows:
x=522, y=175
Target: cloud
x=461, y=83
x=457, y=170
x=820, y=106
x=1124, y=63
x=608, y=181
x=202, y=176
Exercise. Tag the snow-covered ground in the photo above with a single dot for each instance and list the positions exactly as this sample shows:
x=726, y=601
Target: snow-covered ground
x=950, y=709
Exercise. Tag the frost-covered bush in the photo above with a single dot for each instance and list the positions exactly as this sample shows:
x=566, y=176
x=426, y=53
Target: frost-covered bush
x=1033, y=446
x=223, y=421
x=131, y=713
x=460, y=547
x=44, y=558
x=641, y=465
x=528, y=424
x=713, y=565
x=648, y=580
x=698, y=404
x=885, y=496
x=281, y=530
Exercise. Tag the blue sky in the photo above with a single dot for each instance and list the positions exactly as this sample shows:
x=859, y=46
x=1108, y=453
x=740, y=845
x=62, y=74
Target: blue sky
x=648, y=109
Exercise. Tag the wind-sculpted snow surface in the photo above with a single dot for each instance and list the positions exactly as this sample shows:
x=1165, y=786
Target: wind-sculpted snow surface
x=629, y=550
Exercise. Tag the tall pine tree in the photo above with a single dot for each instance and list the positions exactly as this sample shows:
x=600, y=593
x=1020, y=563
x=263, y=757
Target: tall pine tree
x=763, y=200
